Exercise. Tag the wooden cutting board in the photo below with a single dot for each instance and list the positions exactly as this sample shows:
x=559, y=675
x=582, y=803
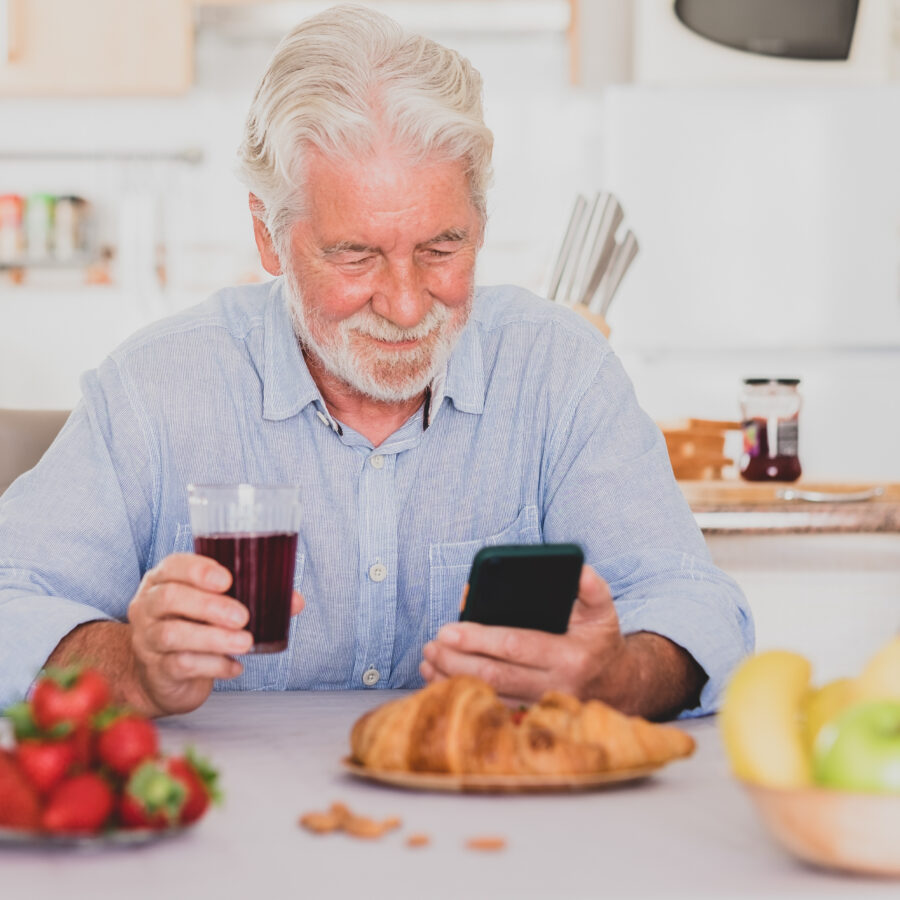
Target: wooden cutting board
x=764, y=493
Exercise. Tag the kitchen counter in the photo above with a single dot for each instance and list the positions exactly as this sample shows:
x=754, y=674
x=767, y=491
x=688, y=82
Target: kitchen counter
x=688, y=831
x=738, y=507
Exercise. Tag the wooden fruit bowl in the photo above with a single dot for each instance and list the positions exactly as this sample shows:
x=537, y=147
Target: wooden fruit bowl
x=836, y=829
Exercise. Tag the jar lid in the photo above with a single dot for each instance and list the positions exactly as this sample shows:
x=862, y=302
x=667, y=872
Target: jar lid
x=790, y=381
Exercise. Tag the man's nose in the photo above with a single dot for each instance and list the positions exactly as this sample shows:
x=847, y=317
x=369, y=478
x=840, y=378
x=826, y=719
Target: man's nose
x=401, y=296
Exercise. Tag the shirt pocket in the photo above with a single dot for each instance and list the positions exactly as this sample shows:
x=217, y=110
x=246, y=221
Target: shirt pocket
x=262, y=671
x=449, y=566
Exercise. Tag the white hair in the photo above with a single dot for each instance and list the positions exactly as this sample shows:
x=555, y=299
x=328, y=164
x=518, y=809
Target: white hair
x=336, y=83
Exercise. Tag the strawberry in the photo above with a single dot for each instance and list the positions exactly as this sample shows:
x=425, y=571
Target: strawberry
x=126, y=742
x=152, y=798
x=172, y=791
x=20, y=805
x=45, y=763
x=80, y=804
x=83, y=741
x=200, y=781
x=68, y=696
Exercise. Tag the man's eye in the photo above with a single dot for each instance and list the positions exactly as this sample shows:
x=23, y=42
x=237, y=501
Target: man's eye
x=355, y=260
x=434, y=253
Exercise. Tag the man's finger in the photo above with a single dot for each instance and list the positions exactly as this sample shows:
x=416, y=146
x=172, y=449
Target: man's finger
x=180, y=635
x=430, y=673
x=178, y=600
x=592, y=589
x=190, y=666
x=297, y=603
x=190, y=568
x=506, y=678
x=524, y=646
x=595, y=602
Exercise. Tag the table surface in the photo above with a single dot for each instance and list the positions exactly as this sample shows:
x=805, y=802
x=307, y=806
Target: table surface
x=688, y=831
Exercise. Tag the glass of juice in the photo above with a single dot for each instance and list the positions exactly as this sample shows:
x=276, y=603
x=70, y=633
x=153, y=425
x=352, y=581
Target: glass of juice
x=252, y=529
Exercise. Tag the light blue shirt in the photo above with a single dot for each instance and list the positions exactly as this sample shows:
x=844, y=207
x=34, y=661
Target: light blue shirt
x=535, y=436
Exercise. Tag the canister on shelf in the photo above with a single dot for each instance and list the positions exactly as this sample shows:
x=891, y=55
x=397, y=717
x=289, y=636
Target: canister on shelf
x=11, y=235
x=68, y=227
x=770, y=409
x=39, y=225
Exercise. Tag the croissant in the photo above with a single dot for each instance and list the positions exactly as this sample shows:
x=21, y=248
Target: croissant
x=460, y=726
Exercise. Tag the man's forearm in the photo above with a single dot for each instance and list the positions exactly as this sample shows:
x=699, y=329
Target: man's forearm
x=106, y=646
x=657, y=679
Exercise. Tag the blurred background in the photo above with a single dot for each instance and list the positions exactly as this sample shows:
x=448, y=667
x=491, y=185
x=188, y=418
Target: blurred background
x=764, y=191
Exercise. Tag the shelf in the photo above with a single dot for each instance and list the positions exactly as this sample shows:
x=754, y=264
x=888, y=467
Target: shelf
x=191, y=156
x=77, y=262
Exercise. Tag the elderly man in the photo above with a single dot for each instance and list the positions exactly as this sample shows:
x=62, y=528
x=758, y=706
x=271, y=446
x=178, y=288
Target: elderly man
x=421, y=417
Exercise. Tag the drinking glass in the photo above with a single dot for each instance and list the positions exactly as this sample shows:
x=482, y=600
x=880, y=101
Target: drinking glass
x=252, y=530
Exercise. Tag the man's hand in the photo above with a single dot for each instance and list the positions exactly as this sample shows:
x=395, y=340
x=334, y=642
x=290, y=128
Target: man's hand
x=522, y=663
x=185, y=631
x=642, y=673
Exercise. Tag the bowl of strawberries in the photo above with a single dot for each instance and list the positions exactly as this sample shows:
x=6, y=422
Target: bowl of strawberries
x=81, y=770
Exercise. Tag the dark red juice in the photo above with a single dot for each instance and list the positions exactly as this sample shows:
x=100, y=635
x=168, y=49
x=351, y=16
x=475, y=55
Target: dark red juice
x=262, y=566
x=758, y=464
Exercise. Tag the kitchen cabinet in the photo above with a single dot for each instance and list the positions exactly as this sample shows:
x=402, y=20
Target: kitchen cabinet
x=95, y=47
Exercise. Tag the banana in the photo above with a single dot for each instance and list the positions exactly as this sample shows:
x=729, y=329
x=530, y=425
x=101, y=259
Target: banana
x=880, y=678
x=760, y=719
x=823, y=704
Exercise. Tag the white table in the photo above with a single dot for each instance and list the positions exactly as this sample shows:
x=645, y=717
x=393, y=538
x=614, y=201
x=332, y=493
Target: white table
x=687, y=832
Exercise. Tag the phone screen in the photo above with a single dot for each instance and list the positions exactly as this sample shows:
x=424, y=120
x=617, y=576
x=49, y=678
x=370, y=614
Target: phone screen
x=524, y=586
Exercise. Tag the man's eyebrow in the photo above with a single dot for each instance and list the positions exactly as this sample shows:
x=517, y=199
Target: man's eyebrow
x=346, y=247
x=450, y=234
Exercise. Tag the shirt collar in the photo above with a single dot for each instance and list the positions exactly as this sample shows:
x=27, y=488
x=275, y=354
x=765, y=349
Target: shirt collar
x=464, y=384
x=288, y=386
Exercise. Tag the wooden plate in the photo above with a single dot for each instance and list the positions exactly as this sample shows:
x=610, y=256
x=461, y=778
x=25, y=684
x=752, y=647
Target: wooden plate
x=498, y=784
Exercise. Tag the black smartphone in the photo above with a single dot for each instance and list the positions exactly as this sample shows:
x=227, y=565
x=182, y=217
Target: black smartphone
x=523, y=586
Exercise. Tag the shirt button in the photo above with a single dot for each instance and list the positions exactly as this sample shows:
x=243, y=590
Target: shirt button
x=371, y=676
x=378, y=572
x=377, y=461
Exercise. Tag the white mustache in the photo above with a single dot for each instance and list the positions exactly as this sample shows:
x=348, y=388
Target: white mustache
x=372, y=325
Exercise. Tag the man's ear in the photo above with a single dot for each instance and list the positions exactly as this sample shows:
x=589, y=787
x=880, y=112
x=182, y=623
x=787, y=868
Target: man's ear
x=264, y=243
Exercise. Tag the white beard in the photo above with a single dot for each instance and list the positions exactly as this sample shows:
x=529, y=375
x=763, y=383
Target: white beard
x=370, y=368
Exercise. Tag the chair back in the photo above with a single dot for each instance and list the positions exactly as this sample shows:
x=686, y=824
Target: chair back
x=24, y=436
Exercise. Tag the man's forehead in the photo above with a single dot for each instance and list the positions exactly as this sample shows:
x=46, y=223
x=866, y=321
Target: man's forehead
x=369, y=199
x=386, y=167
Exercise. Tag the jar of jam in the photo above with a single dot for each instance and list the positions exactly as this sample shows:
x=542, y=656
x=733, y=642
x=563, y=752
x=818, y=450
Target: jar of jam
x=770, y=409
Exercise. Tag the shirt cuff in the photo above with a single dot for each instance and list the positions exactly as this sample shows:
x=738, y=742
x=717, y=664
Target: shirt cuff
x=31, y=626
x=716, y=641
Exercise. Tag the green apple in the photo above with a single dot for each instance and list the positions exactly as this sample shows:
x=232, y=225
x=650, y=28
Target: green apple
x=860, y=749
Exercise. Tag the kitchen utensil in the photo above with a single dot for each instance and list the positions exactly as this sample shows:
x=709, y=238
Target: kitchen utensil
x=603, y=245
x=623, y=255
x=573, y=233
x=580, y=249
x=829, y=496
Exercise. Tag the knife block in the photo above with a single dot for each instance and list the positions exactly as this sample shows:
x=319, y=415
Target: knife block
x=595, y=319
